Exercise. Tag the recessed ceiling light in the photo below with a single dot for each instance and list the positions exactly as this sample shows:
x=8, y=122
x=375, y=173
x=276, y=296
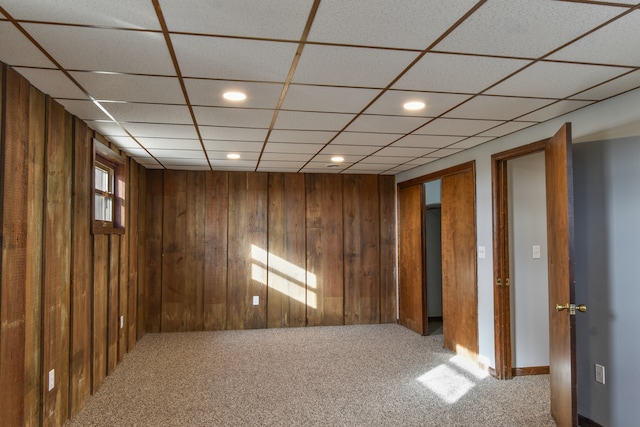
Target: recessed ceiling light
x=233, y=156
x=414, y=105
x=234, y=96
x=337, y=159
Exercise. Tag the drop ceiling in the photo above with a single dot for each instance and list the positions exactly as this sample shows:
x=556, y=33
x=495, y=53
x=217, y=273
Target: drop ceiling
x=323, y=78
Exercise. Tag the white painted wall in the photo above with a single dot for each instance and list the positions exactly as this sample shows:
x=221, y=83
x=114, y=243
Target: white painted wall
x=608, y=119
x=529, y=276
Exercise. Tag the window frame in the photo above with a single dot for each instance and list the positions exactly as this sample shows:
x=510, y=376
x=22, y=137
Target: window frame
x=107, y=158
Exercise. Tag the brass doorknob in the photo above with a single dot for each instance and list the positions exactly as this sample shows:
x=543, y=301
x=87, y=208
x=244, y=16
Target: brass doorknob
x=572, y=308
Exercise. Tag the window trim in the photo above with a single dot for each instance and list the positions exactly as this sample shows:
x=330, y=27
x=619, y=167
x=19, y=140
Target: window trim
x=105, y=156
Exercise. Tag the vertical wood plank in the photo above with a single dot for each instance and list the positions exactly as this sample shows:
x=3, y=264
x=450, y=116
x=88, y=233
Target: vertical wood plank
x=100, y=304
x=216, y=226
x=13, y=265
x=153, y=249
x=123, y=282
x=141, y=215
x=387, y=188
x=194, y=256
x=81, y=272
x=361, y=250
x=410, y=258
x=112, y=302
x=174, y=251
x=132, y=281
x=33, y=285
x=287, y=256
x=247, y=245
x=57, y=263
x=325, y=292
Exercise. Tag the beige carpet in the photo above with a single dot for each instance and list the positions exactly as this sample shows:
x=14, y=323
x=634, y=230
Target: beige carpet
x=375, y=375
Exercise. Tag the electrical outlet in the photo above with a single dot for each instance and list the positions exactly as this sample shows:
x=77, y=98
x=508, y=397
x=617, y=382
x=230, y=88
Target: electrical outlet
x=52, y=379
x=121, y=322
x=256, y=300
x=599, y=374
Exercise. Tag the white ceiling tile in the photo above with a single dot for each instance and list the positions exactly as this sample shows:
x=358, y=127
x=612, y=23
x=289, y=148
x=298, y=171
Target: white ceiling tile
x=113, y=13
x=124, y=141
x=427, y=141
x=472, y=142
x=18, y=50
x=326, y=158
x=372, y=168
x=365, y=138
x=327, y=98
x=382, y=160
x=232, y=134
x=284, y=147
x=406, y=24
x=392, y=101
x=405, y=151
x=185, y=162
x=149, y=113
x=507, y=128
x=84, y=110
x=417, y=162
x=209, y=93
x=444, y=152
x=612, y=44
x=390, y=124
x=228, y=146
x=612, y=88
x=52, y=82
x=137, y=152
x=250, y=168
x=222, y=156
x=348, y=65
x=555, y=110
x=349, y=150
x=455, y=127
x=233, y=117
x=162, y=131
x=457, y=73
x=236, y=59
x=98, y=49
x=291, y=167
x=170, y=143
x=311, y=121
x=131, y=88
x=286, y=157
x=161, y=154
x=497, y=107
x=106, y=127
x=301, y=136
x=227, y=163
x=321, y=167
x=202, y=167
x=555, y=80
x=508, y=27
x=282, y=19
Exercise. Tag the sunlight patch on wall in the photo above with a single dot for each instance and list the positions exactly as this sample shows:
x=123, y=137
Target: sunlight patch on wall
x=283, y=276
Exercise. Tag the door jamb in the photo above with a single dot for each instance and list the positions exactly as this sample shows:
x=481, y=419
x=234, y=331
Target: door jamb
x=501, y=288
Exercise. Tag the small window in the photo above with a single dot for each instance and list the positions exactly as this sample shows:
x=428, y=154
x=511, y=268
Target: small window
x=108, y=190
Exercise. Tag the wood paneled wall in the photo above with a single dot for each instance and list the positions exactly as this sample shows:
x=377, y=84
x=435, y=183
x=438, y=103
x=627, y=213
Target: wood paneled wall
x=62, y=289
x=316, y=249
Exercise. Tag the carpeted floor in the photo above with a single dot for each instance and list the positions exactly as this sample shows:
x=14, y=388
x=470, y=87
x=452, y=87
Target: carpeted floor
x=375, y=375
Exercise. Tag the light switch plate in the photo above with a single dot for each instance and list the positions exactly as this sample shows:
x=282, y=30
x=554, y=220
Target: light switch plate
x=536, y=251
x=256, y=300
x=600, y=374
x=482, y=252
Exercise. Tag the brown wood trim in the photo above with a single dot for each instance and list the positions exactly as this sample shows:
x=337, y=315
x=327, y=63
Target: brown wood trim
x=501, y=289
x=587, y=422
x=532, y=370
x=463, y=167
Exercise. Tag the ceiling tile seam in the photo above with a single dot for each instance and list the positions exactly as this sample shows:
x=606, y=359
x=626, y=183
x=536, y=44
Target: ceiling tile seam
x=294, y=64
x=176, y=65
x=597, y=85
x=70, y=77
x=599, y=3
x=89, y=26
x=518, y=71
x=408, y=67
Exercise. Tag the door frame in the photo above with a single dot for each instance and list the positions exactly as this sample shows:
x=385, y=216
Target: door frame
x=501, y=284
x=421, y=180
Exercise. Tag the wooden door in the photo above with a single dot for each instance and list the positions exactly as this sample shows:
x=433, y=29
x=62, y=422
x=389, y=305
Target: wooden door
x=459, y=288
x=410, y=258
x=562, y=336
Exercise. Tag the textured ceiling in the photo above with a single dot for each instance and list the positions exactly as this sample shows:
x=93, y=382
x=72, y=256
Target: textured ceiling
x=322, y=78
